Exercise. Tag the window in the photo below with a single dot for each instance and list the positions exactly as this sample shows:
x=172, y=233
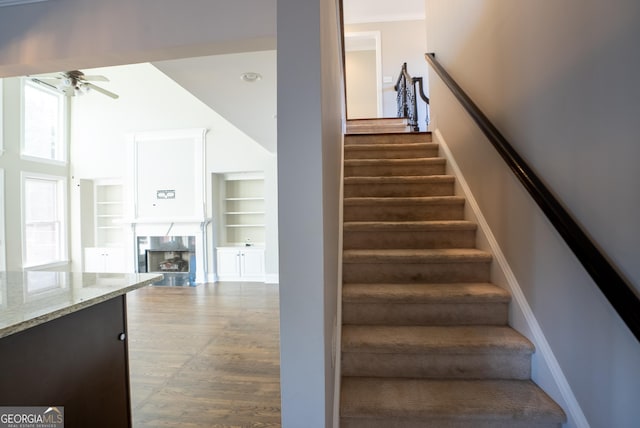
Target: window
x=44, y=227
x=43, y=134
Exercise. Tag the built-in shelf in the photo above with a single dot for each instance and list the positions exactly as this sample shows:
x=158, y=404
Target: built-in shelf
x=109, y=211
x=243, y=209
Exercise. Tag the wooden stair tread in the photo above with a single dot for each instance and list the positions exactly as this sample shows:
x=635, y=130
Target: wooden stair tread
x=404, y=200
x=437, y=339
x=412, y=161
x=452, y=399
x=433, y=225
x=386, y=137
x=424, y=293
x=394, y=147
x=400, y=179
x=438, y=255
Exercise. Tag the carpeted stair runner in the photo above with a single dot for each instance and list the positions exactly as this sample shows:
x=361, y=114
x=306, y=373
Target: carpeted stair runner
x=425, y=340
x=369, y=126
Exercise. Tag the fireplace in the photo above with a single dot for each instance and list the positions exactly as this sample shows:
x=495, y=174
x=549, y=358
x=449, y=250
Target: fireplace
x=173, y=256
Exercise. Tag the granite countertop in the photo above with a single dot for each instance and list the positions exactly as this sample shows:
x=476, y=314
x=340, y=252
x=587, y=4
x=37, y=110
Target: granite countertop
x=31, y=298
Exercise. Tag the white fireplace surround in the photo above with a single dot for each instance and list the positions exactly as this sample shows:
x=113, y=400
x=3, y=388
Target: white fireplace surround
x=168, y=188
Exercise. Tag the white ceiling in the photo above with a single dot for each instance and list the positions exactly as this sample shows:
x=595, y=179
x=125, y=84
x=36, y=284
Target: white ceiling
x=360, y=11
x=215, y=80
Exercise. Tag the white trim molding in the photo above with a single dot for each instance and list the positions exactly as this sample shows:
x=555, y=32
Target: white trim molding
x=558, y=387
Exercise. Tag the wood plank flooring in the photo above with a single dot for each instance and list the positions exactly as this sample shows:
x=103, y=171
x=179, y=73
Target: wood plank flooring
x=205, y=356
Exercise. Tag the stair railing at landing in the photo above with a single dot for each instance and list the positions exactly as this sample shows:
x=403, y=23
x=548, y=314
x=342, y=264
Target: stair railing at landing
x=613, y=285
x=407, y=89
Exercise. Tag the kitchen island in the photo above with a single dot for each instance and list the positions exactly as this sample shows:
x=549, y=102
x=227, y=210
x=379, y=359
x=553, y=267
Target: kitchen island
x=63, y=342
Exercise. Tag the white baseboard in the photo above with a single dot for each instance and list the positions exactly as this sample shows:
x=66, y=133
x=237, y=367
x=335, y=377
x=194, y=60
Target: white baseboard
x=522, y=317
x=272, y=278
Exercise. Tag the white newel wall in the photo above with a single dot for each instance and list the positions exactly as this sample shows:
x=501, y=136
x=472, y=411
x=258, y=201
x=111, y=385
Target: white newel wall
x=167, y=194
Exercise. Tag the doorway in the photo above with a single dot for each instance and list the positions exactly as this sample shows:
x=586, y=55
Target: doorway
x=363, y=71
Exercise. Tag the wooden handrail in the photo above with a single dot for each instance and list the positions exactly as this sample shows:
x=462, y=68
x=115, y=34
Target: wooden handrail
x=616, y=288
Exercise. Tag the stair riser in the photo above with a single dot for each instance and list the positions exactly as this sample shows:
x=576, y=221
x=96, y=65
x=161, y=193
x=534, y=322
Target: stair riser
x=415, y=272
x=425, y=212
x=389, y=239
x=388, y=139
x=378, y=129
x=437, y=314
x=379, y=121
x=394, y=170
x=392, y=154
x=395, y=422
x=480, y=365
x=398, y=190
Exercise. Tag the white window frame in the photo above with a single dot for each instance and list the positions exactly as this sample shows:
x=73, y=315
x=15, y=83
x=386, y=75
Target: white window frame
x=62, y=123
x=61, y=215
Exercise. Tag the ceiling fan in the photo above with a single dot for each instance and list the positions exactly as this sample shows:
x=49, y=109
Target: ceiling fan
x=73, y=83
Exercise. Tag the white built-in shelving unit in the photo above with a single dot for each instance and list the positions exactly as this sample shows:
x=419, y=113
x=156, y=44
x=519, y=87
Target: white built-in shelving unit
x=107, y=251
x=109, y=211
x=243, y=209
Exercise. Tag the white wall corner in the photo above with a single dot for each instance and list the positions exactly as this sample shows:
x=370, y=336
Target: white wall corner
x=546, y=370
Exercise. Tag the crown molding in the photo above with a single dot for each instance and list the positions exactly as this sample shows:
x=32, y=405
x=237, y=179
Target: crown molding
x=18, y=2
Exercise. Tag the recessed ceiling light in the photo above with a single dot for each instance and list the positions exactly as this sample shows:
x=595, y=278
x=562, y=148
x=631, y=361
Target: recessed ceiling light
x=250, y=76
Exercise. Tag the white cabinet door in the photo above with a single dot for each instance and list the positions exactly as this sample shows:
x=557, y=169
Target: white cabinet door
x=93, y=259
x=228, y=263
x=252, y=264
x=240, y=264
x=104, y=259
x=115, y=261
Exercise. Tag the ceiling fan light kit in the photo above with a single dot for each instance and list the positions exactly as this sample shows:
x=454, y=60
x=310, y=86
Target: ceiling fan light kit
x=72, y=83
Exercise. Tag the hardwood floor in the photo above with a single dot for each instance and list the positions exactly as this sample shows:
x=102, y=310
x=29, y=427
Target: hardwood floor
x=205, y=356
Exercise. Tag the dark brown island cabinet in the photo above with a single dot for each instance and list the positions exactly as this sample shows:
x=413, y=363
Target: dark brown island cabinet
x=63, y=343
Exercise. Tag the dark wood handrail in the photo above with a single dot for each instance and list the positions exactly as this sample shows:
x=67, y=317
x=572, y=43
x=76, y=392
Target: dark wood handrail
x=616, y=288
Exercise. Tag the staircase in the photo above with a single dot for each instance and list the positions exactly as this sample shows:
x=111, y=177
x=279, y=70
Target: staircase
x=425, y=340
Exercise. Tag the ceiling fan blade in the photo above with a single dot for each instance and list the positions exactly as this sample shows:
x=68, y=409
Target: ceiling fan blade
x=102, y=90
x=48, y=76
x=96, y=78
x=42, y=82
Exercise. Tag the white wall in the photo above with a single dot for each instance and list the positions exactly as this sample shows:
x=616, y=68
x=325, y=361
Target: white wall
x=309, y=152
x=150, y=101
x=402, y=41
x=560, y=80
x=69, y=34
x=360, y=70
